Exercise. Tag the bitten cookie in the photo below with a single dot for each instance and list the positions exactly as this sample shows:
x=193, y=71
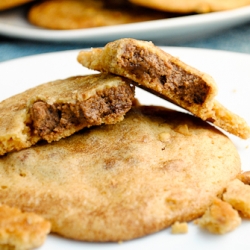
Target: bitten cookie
x=166, y=76
x=57, y=109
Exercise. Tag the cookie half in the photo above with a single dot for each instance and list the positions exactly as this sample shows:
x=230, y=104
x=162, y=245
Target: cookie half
x=122, y=181
x=59, y=108
x=166, y=76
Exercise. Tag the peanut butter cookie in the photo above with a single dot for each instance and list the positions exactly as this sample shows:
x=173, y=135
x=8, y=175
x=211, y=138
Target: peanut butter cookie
x=122, y=181
x=59, y=108
x=166, y=76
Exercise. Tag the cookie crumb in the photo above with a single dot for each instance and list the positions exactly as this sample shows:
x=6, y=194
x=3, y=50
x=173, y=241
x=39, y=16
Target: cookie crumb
x=164, y=137
x=244, y=177
x=238, y=195
x=179, y=228
x=219, y=218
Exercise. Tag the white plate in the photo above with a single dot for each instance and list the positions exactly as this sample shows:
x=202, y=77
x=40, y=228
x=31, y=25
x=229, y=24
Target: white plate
x=232, y=74
x=13, y=23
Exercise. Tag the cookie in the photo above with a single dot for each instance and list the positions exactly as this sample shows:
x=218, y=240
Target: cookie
x=189, y=6
x=78, y=14
x=20, y=230
x=166, y=76
x=7, y=4
x=122, y=181
x=59, y=108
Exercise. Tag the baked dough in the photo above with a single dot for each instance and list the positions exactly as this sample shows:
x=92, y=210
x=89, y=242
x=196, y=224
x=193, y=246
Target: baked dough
x=189, y=6
x=7, y=4
x=166, y=76
x=21, y=230
x=238, y=195
x=79, y=14
x=57, y=109
x=122, y=181
x=219, y=218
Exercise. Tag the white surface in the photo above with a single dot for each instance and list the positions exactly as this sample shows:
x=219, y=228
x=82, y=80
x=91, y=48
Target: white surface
x=13, y=23
x=232, y=74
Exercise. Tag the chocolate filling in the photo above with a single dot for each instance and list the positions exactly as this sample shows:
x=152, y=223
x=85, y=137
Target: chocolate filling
x=110, y=102
x=148, y=67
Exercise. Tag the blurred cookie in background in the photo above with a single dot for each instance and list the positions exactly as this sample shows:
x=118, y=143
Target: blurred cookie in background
x=189, y=6
x=7, y=4
x=77, y=14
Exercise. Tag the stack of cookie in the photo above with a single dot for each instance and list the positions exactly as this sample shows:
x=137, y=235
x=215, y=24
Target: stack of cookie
x=83, y=154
